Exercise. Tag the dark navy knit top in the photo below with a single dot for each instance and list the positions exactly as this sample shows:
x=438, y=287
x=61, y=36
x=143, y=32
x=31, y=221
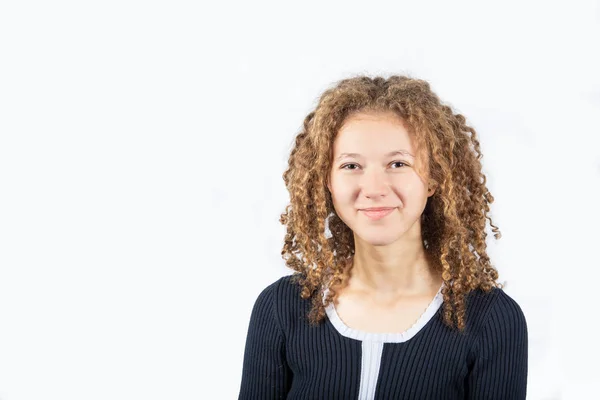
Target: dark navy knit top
x=286, y=358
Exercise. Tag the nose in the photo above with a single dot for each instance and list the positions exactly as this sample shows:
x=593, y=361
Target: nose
x=375, y=184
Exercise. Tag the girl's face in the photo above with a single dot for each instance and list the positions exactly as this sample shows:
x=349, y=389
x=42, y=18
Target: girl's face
x=373, y=166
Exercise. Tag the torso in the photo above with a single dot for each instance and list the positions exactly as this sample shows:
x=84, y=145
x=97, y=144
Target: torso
x=360, y=311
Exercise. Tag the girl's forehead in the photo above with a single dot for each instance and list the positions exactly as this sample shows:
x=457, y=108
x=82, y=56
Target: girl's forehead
x=373, y=116
x=373, y=135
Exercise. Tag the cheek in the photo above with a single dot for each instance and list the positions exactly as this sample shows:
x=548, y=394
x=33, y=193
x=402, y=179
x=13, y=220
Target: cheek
x=410, y=192
x=342, y=191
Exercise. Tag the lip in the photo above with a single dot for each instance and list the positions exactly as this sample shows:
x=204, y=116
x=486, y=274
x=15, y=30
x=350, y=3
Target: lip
x=377, y=213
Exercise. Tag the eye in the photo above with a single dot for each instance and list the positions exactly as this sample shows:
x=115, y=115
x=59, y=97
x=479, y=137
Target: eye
x=399, y=162
x=345, y=165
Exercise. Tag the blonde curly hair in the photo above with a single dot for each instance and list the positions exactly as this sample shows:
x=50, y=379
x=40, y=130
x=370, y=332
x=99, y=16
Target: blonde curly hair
x=454, y=219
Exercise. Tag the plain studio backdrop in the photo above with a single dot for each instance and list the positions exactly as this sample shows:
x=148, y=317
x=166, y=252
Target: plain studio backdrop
x=142, y=150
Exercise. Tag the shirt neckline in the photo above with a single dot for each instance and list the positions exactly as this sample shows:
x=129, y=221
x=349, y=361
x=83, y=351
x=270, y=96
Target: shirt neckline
x=401, y=337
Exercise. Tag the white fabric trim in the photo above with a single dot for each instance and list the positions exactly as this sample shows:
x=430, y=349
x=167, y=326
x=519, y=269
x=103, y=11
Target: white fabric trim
x=346, y=331
x=370, y=363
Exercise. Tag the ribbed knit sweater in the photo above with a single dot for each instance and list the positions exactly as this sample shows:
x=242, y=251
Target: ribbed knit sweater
x=286, y=358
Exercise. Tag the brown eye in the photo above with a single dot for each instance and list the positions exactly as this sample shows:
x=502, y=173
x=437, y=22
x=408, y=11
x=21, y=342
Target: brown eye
x=399, y=162
x=345, y=165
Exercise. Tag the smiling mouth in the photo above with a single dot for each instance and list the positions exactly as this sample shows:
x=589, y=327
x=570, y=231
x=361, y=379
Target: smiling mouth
x=377, y=213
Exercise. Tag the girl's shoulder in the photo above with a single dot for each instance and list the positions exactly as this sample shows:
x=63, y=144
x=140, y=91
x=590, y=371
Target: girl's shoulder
x=282, y=296
x=496, y=306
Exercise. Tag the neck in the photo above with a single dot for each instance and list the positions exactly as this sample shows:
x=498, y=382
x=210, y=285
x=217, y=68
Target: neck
x=401, y=268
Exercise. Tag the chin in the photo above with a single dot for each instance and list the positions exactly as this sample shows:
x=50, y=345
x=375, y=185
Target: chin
x=379, y=239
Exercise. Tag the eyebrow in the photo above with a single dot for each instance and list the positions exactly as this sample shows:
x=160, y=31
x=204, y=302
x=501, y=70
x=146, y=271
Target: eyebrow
x=390, y=154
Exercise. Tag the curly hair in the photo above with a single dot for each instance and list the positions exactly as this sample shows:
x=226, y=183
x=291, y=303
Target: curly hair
x=454, y=219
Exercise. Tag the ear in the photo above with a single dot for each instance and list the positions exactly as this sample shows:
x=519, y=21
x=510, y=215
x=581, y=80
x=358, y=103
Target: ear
x=431, y=189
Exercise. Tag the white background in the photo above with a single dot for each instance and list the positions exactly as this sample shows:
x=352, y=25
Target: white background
x=141, y=151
